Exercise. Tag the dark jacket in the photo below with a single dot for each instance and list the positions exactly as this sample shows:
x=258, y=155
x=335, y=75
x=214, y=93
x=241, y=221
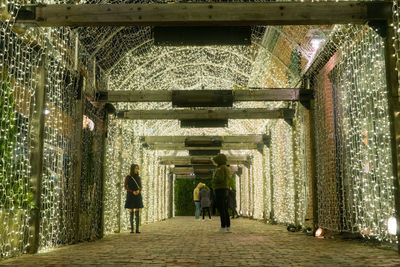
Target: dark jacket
x=133, y=183
x=222, y=175
x=205, y=200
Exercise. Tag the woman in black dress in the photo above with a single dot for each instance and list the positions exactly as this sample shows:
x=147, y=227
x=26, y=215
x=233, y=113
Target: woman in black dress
x=134, y=202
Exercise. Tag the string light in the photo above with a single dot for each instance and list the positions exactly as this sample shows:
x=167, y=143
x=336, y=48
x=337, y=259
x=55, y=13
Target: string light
x=275, y=180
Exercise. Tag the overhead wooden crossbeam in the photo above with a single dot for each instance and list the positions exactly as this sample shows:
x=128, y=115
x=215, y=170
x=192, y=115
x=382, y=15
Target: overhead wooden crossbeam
x=190, y=170
x=233, y=146
x=205, y=14
x=255, y=138
x=199, y=160
x=218, y=114
x=273, y=94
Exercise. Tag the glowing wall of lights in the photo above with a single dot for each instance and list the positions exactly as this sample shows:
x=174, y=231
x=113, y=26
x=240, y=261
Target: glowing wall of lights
x=300, y=165
x=112, y=176
x=282, y=172
x=328, y=212
x=367, y=180
x=244, y=192
x=258, y=182
x=267, y=182
x=396, y=27
x=124, y=146
x=18, y=65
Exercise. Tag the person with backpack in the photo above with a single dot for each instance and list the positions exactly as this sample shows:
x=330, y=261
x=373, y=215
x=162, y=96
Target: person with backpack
x=205, y=201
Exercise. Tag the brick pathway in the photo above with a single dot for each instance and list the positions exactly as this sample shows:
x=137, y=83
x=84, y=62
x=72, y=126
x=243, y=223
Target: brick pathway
x=182, y=241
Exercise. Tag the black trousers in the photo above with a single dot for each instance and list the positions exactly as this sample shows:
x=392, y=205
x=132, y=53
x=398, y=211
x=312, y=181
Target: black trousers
x=204, y=212
x=221, y=196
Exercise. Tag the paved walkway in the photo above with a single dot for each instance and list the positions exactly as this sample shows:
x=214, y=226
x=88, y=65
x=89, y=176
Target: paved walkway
x=182, y=241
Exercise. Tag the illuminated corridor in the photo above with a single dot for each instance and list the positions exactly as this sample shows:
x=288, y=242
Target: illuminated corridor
x=301, y=97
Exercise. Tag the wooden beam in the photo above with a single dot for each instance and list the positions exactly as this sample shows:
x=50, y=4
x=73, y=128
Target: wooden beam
x=175, y=146
x=182, y=170
x=205, y=14
x=217, y=114
x=275, y=94
x=255, y=138
x=190, y=160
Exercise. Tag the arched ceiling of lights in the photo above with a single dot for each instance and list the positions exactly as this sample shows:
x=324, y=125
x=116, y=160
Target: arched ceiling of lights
x=129, y=58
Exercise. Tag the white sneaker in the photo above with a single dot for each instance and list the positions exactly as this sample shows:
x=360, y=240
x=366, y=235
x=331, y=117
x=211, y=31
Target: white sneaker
x=221, y=230
x=228, y=230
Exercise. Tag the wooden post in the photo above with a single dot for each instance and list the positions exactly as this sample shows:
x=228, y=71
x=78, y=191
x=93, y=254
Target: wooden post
x=272, y=214
x=171, y=184
x=36, y=156
x=394, y=109
x=103, y=178
x=295, y=177
x=121, y=182
x=310, y=126
x=264, y=184
x=77, y=158
x=76, y=53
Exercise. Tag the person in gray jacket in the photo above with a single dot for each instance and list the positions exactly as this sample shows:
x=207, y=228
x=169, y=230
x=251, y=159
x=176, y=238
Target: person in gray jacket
x=205, y=201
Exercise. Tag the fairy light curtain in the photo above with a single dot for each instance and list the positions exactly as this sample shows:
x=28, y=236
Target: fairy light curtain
x=267, y=63
x=91, y=181
x=352, y=88
x=18, y=80
x=20, y=57
x=124, y=148
x=282, y=172
x=55, y=228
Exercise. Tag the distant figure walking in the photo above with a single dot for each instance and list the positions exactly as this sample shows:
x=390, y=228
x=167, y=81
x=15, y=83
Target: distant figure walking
x=232, y=197
x=205, y=201
x=196, y=199
x=134, y=201
x=220, y=184
x=232, y=202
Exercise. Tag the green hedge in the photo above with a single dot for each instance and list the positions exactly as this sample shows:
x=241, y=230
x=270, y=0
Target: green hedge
x=184, y=205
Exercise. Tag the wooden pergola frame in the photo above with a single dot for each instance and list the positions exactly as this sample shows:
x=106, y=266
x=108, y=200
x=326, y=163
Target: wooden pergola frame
x=240, y=14
x=272, y=94
x=214, y=114
x=205, y=14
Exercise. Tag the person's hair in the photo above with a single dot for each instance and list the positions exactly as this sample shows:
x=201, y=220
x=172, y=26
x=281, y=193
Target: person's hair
x=133, y=166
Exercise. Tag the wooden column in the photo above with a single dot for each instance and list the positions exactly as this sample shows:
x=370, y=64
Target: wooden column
x=121, y=182
x=36, y=157
x=272, y=214
x=103, y=178
x=312, y=166
x=295, y=176
x=171, y=195
x=264, y=184
x=77, y=158
x=394, y=109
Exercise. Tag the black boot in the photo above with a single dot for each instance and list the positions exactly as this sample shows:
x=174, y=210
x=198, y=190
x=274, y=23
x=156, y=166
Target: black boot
x=131, y=220
x=137, y=219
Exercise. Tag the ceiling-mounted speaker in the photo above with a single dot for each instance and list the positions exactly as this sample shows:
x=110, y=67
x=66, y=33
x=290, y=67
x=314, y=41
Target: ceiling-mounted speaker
x=201, y=36
x=204, y=123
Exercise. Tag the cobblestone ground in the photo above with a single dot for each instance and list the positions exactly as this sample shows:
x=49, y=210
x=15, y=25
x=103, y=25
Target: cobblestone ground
x=182, y=241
